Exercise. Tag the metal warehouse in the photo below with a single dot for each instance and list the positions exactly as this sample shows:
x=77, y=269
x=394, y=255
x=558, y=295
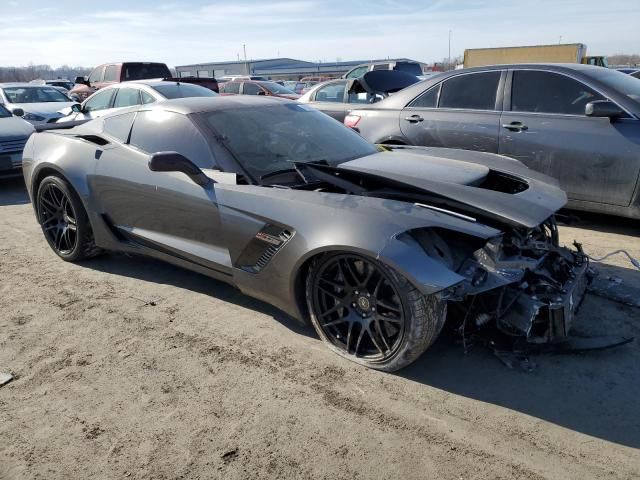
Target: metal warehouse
x=275, y=68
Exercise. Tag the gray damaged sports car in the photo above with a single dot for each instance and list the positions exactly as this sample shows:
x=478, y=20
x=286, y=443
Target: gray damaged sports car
x=376, y=245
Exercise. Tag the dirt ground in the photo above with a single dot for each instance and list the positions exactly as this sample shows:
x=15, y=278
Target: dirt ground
x=130, y=368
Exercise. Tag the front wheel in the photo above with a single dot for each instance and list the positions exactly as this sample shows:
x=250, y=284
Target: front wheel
x=368, y=313
x=64, y=221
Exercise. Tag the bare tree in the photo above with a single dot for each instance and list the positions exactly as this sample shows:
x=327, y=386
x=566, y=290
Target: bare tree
x=624, y=59
x=45, y=72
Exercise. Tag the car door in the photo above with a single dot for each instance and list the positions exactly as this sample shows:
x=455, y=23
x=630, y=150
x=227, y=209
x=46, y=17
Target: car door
x=165, y=211
x=463, y=111
x=544, y=126
x=330, y=99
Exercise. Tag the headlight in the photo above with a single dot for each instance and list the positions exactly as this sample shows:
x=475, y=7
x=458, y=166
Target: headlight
x=32, y=117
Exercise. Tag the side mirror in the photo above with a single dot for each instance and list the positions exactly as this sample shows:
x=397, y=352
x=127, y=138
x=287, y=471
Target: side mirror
x=603, y=108
x=175, y=162
x=76, y=108
x=261, y=92
x=18, y=112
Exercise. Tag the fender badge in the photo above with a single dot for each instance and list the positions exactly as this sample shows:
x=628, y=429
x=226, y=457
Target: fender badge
x=265, y=237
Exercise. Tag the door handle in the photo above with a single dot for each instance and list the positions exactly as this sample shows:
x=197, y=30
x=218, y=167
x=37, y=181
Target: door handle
x=515, y=127
x=414, y=119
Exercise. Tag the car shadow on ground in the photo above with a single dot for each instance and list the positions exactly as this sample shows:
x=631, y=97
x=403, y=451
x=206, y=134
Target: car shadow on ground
x=157, y=271
x=13, y=192
x=595, y=393
x=592, y=393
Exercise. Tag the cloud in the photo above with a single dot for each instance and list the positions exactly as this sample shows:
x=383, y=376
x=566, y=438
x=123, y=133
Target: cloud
x=201, y=31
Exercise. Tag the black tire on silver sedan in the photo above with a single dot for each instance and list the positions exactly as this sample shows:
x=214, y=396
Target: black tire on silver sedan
x=64, y=220
x=366, y=312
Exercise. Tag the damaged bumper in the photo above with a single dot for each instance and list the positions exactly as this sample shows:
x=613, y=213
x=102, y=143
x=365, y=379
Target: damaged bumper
x=547, y=313
x=528, y=287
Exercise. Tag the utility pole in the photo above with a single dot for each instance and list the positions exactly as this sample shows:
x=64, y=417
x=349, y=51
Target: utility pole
x=449, y=62
x=246, y=65
x=560, y=40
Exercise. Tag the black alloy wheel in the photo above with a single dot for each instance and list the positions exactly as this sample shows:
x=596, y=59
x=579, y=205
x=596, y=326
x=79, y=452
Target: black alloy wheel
x=58, y=218
x=358, y=307
x=64, y=221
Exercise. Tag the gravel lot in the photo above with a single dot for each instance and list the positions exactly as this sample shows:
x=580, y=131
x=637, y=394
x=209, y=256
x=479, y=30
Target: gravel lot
x=130, y=368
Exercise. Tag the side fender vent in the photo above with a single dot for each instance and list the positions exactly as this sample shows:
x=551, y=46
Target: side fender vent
x=93, y=139
x=266, y=243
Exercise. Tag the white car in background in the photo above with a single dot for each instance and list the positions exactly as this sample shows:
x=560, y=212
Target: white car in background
x=37, y=104
x=14, y=133
x=129, y=94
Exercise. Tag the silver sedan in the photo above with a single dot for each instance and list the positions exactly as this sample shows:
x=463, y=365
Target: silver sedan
x=36, y=104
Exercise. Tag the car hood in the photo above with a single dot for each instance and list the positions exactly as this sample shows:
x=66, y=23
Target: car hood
x=382, y=82
x=14, y=128
x=46, y=109
x=474, y=183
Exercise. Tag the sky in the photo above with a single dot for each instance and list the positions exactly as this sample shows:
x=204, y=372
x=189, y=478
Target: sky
x=87, y=33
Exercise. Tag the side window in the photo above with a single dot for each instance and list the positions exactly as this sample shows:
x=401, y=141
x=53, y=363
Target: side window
x=359, y=98
x=334, y=92
x=160, y=131
x=111, y=73
x=119, y=126
x=475, y=91
x=99, y=101
x=127, y=97
x=636, y=74
x=250, y=89
x=96, y=75
x=147, y=97
x=231, y=87
x=547, y=92
x=382, y=66
x=428, y=99
x=358, y=72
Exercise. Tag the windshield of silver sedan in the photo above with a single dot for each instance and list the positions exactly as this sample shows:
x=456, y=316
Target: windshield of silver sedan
x=34, y=95
x=267, y=139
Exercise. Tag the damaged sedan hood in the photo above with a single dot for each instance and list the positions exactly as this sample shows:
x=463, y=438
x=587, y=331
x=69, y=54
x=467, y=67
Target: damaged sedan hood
x=383, y=82
x=473, y=183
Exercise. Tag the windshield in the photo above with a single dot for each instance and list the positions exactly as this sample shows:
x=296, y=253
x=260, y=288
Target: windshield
x=619, y=81
x=274, y=87
x=183, y=90
x=266, y=139
x=34, y=95
x=143, y=71
x=4, y=112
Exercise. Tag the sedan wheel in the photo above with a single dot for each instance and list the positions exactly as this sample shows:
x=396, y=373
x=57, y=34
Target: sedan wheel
x=368, y=313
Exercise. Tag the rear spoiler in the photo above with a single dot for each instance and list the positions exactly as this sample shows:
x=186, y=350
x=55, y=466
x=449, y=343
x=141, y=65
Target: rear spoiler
x=59, y=126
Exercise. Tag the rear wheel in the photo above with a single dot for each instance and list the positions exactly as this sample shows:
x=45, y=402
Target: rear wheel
x=370, y=314
x=64, y=221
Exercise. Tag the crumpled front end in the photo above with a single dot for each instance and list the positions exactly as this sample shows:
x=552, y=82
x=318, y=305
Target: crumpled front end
x=524, y=284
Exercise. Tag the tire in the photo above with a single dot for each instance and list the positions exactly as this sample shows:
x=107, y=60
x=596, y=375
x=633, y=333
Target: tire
x=356, y=308
x=64, y=220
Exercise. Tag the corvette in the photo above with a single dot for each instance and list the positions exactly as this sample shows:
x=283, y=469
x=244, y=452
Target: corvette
x=376, y=246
